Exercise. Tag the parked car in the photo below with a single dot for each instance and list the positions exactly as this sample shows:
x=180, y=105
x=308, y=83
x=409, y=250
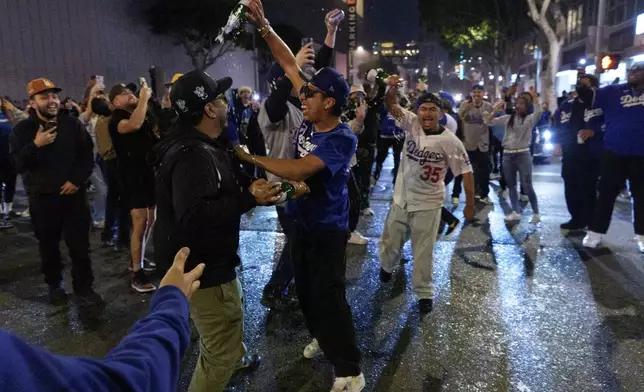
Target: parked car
x=542, y=148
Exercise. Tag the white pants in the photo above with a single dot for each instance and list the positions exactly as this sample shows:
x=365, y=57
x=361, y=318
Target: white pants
x=422, y=227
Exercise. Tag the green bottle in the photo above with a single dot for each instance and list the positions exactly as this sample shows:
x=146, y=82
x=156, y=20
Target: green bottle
x=235, y=25
x=288, y=191
x=379, y=76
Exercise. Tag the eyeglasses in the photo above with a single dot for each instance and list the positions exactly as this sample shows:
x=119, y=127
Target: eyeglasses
x=309, y=90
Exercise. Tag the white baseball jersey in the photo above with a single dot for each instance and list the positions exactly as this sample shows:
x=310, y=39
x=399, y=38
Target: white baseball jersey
x=420, y=184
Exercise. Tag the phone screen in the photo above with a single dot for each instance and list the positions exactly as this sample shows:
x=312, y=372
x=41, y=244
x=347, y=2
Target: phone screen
x=100, y=80
x=306, y=41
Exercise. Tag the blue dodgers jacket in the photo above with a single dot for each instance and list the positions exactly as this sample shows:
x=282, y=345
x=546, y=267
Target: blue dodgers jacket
x=147, y=359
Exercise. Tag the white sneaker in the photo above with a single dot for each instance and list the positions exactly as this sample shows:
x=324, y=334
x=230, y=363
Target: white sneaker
x=357, y=239
x=535, y=219
x=455, y=201
x=313, y=350
x=513, y=216
x=477, y=197
x=487, y=201
x=640, y=242
x=349, y=384
x=367, y=212
x=592, y=240
x=524, y=198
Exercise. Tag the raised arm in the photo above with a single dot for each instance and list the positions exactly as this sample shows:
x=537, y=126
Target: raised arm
x=391, y=99
x=135, y=122
x=279, y=49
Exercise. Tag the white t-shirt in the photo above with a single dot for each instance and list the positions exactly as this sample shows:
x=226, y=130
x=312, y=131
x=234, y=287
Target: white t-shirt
x=420, y=184
x=279, y=136
x=452, y=125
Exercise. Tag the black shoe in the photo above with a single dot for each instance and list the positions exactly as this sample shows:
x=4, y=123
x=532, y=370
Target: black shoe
x=89, y=297
x=451, y=227
x=57, y=295
x=249, y=363
x=425, y=305
x=4, y=224
x=385, y=276
x=149, y=265
x=571, y=225
x=275, y=299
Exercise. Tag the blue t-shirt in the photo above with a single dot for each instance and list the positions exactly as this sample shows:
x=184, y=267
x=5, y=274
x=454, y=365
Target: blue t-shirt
x=388, y=128
x=327, y=206
x=623, y=109
x=5, y=131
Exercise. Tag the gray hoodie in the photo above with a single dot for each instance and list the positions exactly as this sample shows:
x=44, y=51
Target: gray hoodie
x=519, y=136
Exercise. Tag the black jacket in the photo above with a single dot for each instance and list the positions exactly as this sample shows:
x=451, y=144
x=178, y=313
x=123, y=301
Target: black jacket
x=201, y=194
x=46, y=169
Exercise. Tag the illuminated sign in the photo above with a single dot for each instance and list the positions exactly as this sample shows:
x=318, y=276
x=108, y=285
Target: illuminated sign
x=352, y=21
x=639, y=25
x=387, y=45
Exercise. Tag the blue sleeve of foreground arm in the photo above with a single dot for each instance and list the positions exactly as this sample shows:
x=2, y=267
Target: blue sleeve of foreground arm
x=147, y=359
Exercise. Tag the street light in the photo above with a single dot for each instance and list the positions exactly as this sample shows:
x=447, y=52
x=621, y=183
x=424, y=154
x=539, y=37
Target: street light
x=360, y=49
x=582, y=62
x=491, y=77
x=500, y=78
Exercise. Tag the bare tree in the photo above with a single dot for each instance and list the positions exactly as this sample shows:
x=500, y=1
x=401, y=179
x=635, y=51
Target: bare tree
x=548, y=15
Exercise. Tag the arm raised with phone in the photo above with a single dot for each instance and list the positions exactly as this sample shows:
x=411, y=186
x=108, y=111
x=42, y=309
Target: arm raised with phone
x=135, y=122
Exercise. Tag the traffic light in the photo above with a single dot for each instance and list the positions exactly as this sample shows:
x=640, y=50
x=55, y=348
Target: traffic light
x=609, y=61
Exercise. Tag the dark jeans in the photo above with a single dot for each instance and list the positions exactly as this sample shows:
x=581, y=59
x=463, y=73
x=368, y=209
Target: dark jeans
x=116, y=209
x=384, y=144
x=355, y=201
x=615, y=169
x=362, y=171
x=580, y=175
x=320, y=266
x=283, y=273
x=8, y=178
x=53, y=216
x=481, y=166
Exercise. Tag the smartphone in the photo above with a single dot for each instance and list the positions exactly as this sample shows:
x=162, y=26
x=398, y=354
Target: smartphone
x=306, y=41
x=100, y=81
x=142, y=82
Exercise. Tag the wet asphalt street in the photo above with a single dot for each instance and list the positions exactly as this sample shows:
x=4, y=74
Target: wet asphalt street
x=521, y=308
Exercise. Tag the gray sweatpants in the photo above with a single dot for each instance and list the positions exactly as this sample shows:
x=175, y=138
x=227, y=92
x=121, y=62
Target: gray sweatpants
x=422, y=227
x=521, y=163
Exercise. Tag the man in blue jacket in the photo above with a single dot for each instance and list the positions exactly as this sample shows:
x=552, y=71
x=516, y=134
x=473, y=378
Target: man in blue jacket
x=147, y=359
x=579, y=133
x=623, y=158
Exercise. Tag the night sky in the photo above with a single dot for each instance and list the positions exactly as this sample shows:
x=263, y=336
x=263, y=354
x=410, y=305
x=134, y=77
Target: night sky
x=391, y=20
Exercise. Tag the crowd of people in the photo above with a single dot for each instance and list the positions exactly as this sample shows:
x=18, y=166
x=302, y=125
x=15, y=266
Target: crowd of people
x=188, y=162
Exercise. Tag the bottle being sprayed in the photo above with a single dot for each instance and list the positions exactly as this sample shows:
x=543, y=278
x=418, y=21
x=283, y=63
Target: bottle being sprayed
x=235, y=25
x=379, y=76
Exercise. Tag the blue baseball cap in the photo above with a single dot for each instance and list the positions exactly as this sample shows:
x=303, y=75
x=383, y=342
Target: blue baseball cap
x=332, y=83
x=448, y=97
x=477, y=87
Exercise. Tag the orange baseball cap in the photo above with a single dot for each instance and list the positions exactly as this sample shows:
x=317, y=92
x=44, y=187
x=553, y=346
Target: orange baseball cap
x=40, y=85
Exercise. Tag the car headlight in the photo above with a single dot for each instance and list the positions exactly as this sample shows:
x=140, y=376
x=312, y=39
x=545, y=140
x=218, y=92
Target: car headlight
x=548, y=147
x=458, y=97
x=547, y=135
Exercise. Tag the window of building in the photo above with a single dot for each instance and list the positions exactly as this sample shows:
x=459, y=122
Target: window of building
x=620, y=10
x=575, y=22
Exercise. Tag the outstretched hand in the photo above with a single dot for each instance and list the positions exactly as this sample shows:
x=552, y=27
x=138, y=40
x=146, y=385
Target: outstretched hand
x=176, y=276
x=256, y=15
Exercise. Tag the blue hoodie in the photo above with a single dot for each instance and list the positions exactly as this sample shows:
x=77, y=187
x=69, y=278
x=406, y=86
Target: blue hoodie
x=147, y=359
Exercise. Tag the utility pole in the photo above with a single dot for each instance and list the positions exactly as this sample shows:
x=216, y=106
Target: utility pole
x=599, y=38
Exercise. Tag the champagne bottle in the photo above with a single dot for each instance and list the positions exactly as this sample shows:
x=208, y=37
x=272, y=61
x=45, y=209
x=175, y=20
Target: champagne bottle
x=378, y=76
x=235, y=25
x=288, y=191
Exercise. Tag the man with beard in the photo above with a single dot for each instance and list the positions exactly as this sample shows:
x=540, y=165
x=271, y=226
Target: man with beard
x=133, y=137
x=202, y=193
x=318, y=240
x=54, y=154
x=430, y=151
x=623, y=157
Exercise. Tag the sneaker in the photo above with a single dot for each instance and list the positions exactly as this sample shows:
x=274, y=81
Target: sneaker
x=313, y=350
x=524, y=198
x=349, y=384
x=535, y=219
x=57, y=295
x=572, y=226
x=477, y=197
x=13, y=214
x=149, y=265
x=276, y=300
x=486, y=200
x=640, y=243
x=141, y=283
x=357, y=239
x=249, y=363
x=5, y=224
x=385, y=276
x=592, y=240
x=495, y=176
x=367, y=212
x=625, y=195
x=425, y=305
x=99, y=224
x=451, y=227
x=513, y=216
x=455, y=201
